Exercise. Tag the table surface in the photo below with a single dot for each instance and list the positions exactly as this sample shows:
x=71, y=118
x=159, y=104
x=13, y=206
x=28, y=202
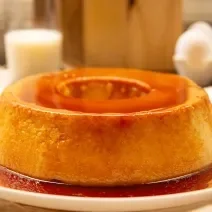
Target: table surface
x=6, y=206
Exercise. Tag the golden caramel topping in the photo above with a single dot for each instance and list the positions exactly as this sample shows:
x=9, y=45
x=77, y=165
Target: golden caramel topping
x=109, y=90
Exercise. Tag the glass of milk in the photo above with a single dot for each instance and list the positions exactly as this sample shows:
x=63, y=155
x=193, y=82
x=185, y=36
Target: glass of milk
x=32, y=44
x=32, y=51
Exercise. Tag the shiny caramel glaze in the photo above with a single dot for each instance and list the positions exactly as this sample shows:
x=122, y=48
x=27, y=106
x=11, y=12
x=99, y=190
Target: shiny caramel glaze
x=90, y=145
x=192, y=182
x=106, y=91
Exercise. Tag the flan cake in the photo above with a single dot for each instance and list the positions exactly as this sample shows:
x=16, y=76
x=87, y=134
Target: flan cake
x=105, y=127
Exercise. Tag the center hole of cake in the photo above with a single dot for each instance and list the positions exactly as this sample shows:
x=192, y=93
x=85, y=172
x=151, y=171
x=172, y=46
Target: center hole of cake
x=103, y=88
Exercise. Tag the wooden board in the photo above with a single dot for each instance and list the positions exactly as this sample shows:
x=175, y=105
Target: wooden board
x=154, y=27
x=69, y=16
x=122, y=33
x=105, y=37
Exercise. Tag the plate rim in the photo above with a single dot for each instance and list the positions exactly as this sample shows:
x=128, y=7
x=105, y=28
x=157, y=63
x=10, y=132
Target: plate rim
x=61, y=202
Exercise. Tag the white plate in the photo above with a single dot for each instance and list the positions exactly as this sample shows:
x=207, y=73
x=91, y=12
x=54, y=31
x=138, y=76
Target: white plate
x=179, y=202
x=174, y=202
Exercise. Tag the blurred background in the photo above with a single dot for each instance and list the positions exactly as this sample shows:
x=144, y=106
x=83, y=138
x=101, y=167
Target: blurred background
x=89, y=39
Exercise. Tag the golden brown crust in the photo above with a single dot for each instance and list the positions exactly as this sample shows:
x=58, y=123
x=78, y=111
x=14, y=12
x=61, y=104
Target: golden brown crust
x=94, y=149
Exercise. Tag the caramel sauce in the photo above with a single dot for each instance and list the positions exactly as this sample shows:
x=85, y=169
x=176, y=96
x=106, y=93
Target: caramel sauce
x=196, y=181
x=102, y=88
x=106, y=91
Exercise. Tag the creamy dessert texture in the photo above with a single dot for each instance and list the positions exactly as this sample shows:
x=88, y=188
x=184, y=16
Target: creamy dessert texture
x=105, y=127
